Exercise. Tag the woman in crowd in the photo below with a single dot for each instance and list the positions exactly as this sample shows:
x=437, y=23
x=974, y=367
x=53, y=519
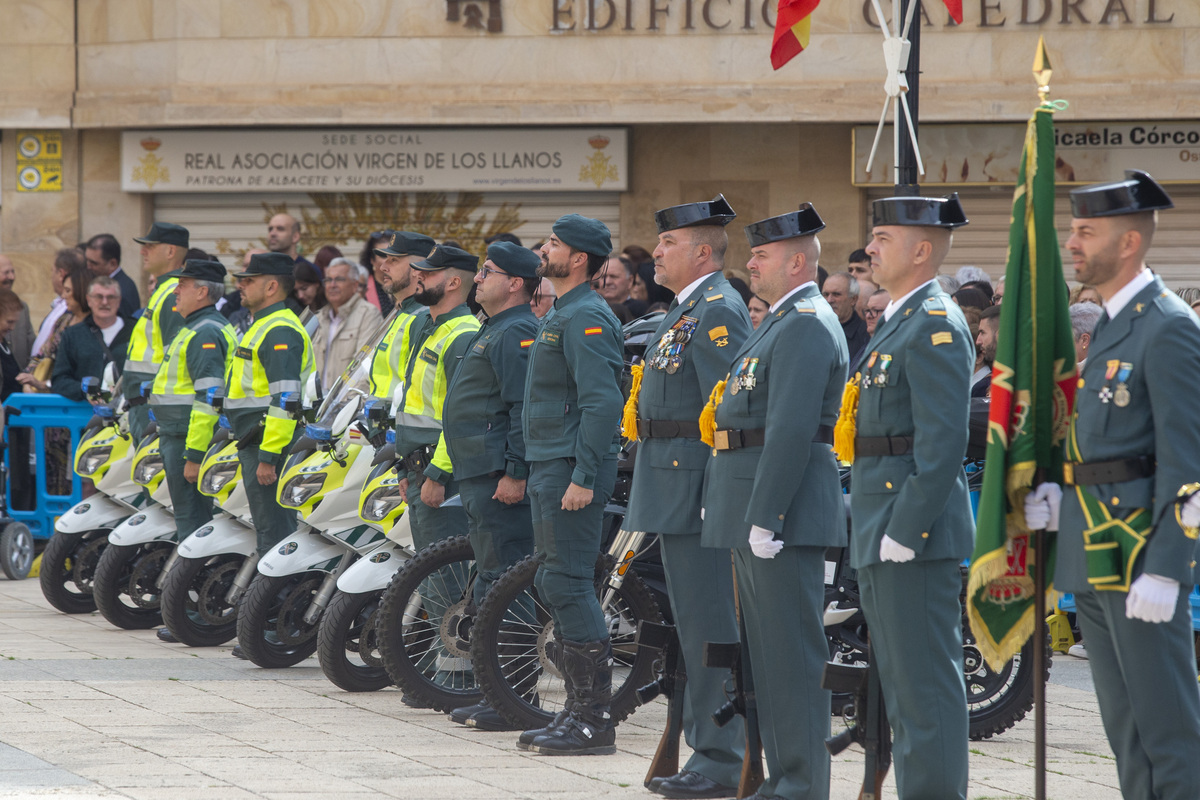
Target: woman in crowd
x=36, y=377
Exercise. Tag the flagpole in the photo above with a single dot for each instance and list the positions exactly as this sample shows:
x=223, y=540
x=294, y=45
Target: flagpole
x=906, y=162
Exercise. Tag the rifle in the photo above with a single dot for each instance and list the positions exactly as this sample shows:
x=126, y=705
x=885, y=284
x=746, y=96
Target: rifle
x=670, y=684
x=870, y=728
x=735, y=656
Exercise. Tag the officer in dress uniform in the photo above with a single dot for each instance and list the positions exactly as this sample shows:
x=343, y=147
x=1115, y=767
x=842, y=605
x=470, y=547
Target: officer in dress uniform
x=772, y=494
x=1125, y=548
x=706, y=324
x=195, y=362
x=911, y=516
x=483, y=444
x=163, y=251
x=573, y=403
x=395, y=273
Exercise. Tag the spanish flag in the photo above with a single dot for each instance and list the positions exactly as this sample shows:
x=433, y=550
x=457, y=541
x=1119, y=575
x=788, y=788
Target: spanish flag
x=792, y=25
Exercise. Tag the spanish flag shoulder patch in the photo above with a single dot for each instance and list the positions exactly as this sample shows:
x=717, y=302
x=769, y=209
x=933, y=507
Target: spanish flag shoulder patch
x=209, y=346
x=593, y=331
x=942, y=337
x=281, y=347
x=526, y=342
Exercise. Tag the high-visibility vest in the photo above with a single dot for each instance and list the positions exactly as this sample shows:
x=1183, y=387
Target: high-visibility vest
x=391, y=356
x=427, y=384
x=247, y=386
x=146, y=344
x=175, y=386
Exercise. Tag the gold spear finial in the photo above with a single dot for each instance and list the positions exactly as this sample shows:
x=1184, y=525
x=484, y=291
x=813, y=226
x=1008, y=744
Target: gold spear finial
x=1042, y=70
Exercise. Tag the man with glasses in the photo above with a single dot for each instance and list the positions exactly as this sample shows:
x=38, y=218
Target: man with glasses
x=875, y=306
x=344, y=324
x=103, y=255
x=101, y=338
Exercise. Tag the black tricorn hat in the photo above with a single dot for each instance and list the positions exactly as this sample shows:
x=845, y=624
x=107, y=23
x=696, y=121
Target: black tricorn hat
x=927, y=212
x=804, y=222
x=1137, y=193
x=712, y=212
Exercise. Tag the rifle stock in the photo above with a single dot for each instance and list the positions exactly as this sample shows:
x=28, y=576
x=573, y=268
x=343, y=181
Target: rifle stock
x=670, y=683
x=870, y=728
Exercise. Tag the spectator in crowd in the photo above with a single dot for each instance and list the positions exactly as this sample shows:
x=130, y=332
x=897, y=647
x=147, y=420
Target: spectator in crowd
x=876, y=303
x=985, y=351
x=77, y=277
x=949, y=284
x=101, y=338
x=66, y=261
x=972, y=297
x=637, y=254
x=859, y=265
x=10, y=312
x=998, y=292
x=841, y=291
x=19, y=338
x=103, y=254
x=758, y=310
x=866, y=289
x=309, y=287
x=822, y=274
x=376, y=295
x=972, y=315
x=283, y=236
x=504, y=236
x=639, y=290
x=324, y=257
x=742, y=289
x=970, y=274
x=1085, y=294
x=1084, y=317
x=543, y=299
x=614, y=282
x=983, y=286
x=344, y=324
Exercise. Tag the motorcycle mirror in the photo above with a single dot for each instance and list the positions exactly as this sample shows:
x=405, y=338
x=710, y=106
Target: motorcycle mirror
x=109, y=378
x=290, y=402
x=312, y=391
x=344, y=417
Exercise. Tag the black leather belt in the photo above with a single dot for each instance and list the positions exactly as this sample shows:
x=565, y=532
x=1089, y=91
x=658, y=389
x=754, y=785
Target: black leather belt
x=419, y=459
x=882, y=445
x=1116, y=471
x=735, y=439
x=667, y=429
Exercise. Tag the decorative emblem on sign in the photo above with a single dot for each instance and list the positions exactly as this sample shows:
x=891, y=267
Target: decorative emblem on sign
x=471, y=14
x=150, y=169
x=599, y=168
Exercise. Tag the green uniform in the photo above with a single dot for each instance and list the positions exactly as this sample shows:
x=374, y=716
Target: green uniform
x=274, y=356
x=666, y=498
x=573, y=403
x=785, y=386
x=1136, y=399
x=391, y=356
x=915, y=387
x=154, y=330
x=482, y=440
x=194, y=362
x=436, y=352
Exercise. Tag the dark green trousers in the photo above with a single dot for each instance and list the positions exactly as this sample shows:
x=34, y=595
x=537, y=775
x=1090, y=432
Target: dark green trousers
x=915, y=620
x=191, y=508
x=783, y=601
x=501, y=534
x=431, y=525
x=272, y=522
x=700, y=585
x=570, y=542
x=1145, y=676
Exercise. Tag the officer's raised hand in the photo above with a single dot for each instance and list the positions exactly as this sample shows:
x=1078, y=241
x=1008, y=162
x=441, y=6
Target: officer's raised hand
x=576, y=498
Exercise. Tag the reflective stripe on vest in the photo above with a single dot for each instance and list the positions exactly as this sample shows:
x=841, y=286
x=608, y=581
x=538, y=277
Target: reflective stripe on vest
x=426, y=393
x=145, y=351
x=173, y=385
x=246, y=384
x=387, y=366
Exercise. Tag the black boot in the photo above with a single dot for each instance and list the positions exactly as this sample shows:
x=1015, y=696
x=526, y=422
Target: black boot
x=588, y=728
x=554, y=650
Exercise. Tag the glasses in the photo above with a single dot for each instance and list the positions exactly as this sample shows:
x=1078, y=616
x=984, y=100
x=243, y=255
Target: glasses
x=102, y=299
x=485, y=271
x=872, y=312
x=340, y=279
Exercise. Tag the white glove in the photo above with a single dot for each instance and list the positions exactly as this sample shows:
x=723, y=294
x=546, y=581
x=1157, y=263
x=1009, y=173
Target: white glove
x=1190, y=513
x=891, y=550
x=1152, y=598
x=702, y=513
x=763, y=542
x=1042, y=506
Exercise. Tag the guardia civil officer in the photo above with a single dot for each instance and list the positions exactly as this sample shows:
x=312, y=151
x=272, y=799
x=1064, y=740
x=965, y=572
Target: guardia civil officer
x=483, y=444
x=194, y=362
x=1134, y=444
x=912, y=522
x=773, y=495
x=395, y=275
x=706, y=325
x=273, y=356
x=164, y=249
x=573, y=402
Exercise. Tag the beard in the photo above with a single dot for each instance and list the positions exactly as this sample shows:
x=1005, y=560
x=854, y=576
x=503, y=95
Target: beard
x=430, y=296
x=551, y=270
x=398, y=285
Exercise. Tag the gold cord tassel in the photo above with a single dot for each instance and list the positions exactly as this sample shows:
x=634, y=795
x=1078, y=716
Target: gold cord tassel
x=629, y=418
x=708, y=417
x=843, y=431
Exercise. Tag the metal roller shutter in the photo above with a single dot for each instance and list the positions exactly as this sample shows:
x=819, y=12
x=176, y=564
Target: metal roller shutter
x=1175, y=254
x=226, y=225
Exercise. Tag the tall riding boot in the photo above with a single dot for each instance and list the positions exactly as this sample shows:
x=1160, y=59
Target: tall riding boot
x=588, y=728
x=554, y=652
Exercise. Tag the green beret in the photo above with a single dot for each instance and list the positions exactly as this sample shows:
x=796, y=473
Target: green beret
x=584, y=233
x=514, y=259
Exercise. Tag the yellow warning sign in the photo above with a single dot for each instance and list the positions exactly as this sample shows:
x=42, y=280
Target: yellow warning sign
x=39, y=161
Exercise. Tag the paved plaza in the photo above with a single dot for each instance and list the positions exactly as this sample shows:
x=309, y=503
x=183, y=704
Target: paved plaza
x=90, y=711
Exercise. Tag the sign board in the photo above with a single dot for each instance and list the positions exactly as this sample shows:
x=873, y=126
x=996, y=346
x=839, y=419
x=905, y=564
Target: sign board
x=375, y=159
x=39, y=161
x=1088, y=152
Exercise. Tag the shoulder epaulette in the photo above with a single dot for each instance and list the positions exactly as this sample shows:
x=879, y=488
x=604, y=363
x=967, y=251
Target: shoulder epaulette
x=934, y=307
x=804, y=306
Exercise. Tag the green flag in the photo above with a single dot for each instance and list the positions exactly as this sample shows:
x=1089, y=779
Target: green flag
x=1033, y=391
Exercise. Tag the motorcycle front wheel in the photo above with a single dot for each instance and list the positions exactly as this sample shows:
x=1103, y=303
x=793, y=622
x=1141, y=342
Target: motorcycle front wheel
x=125, y=588
x=69, y=569
x=348, y=643
x=270, y=622
x=193, y=599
